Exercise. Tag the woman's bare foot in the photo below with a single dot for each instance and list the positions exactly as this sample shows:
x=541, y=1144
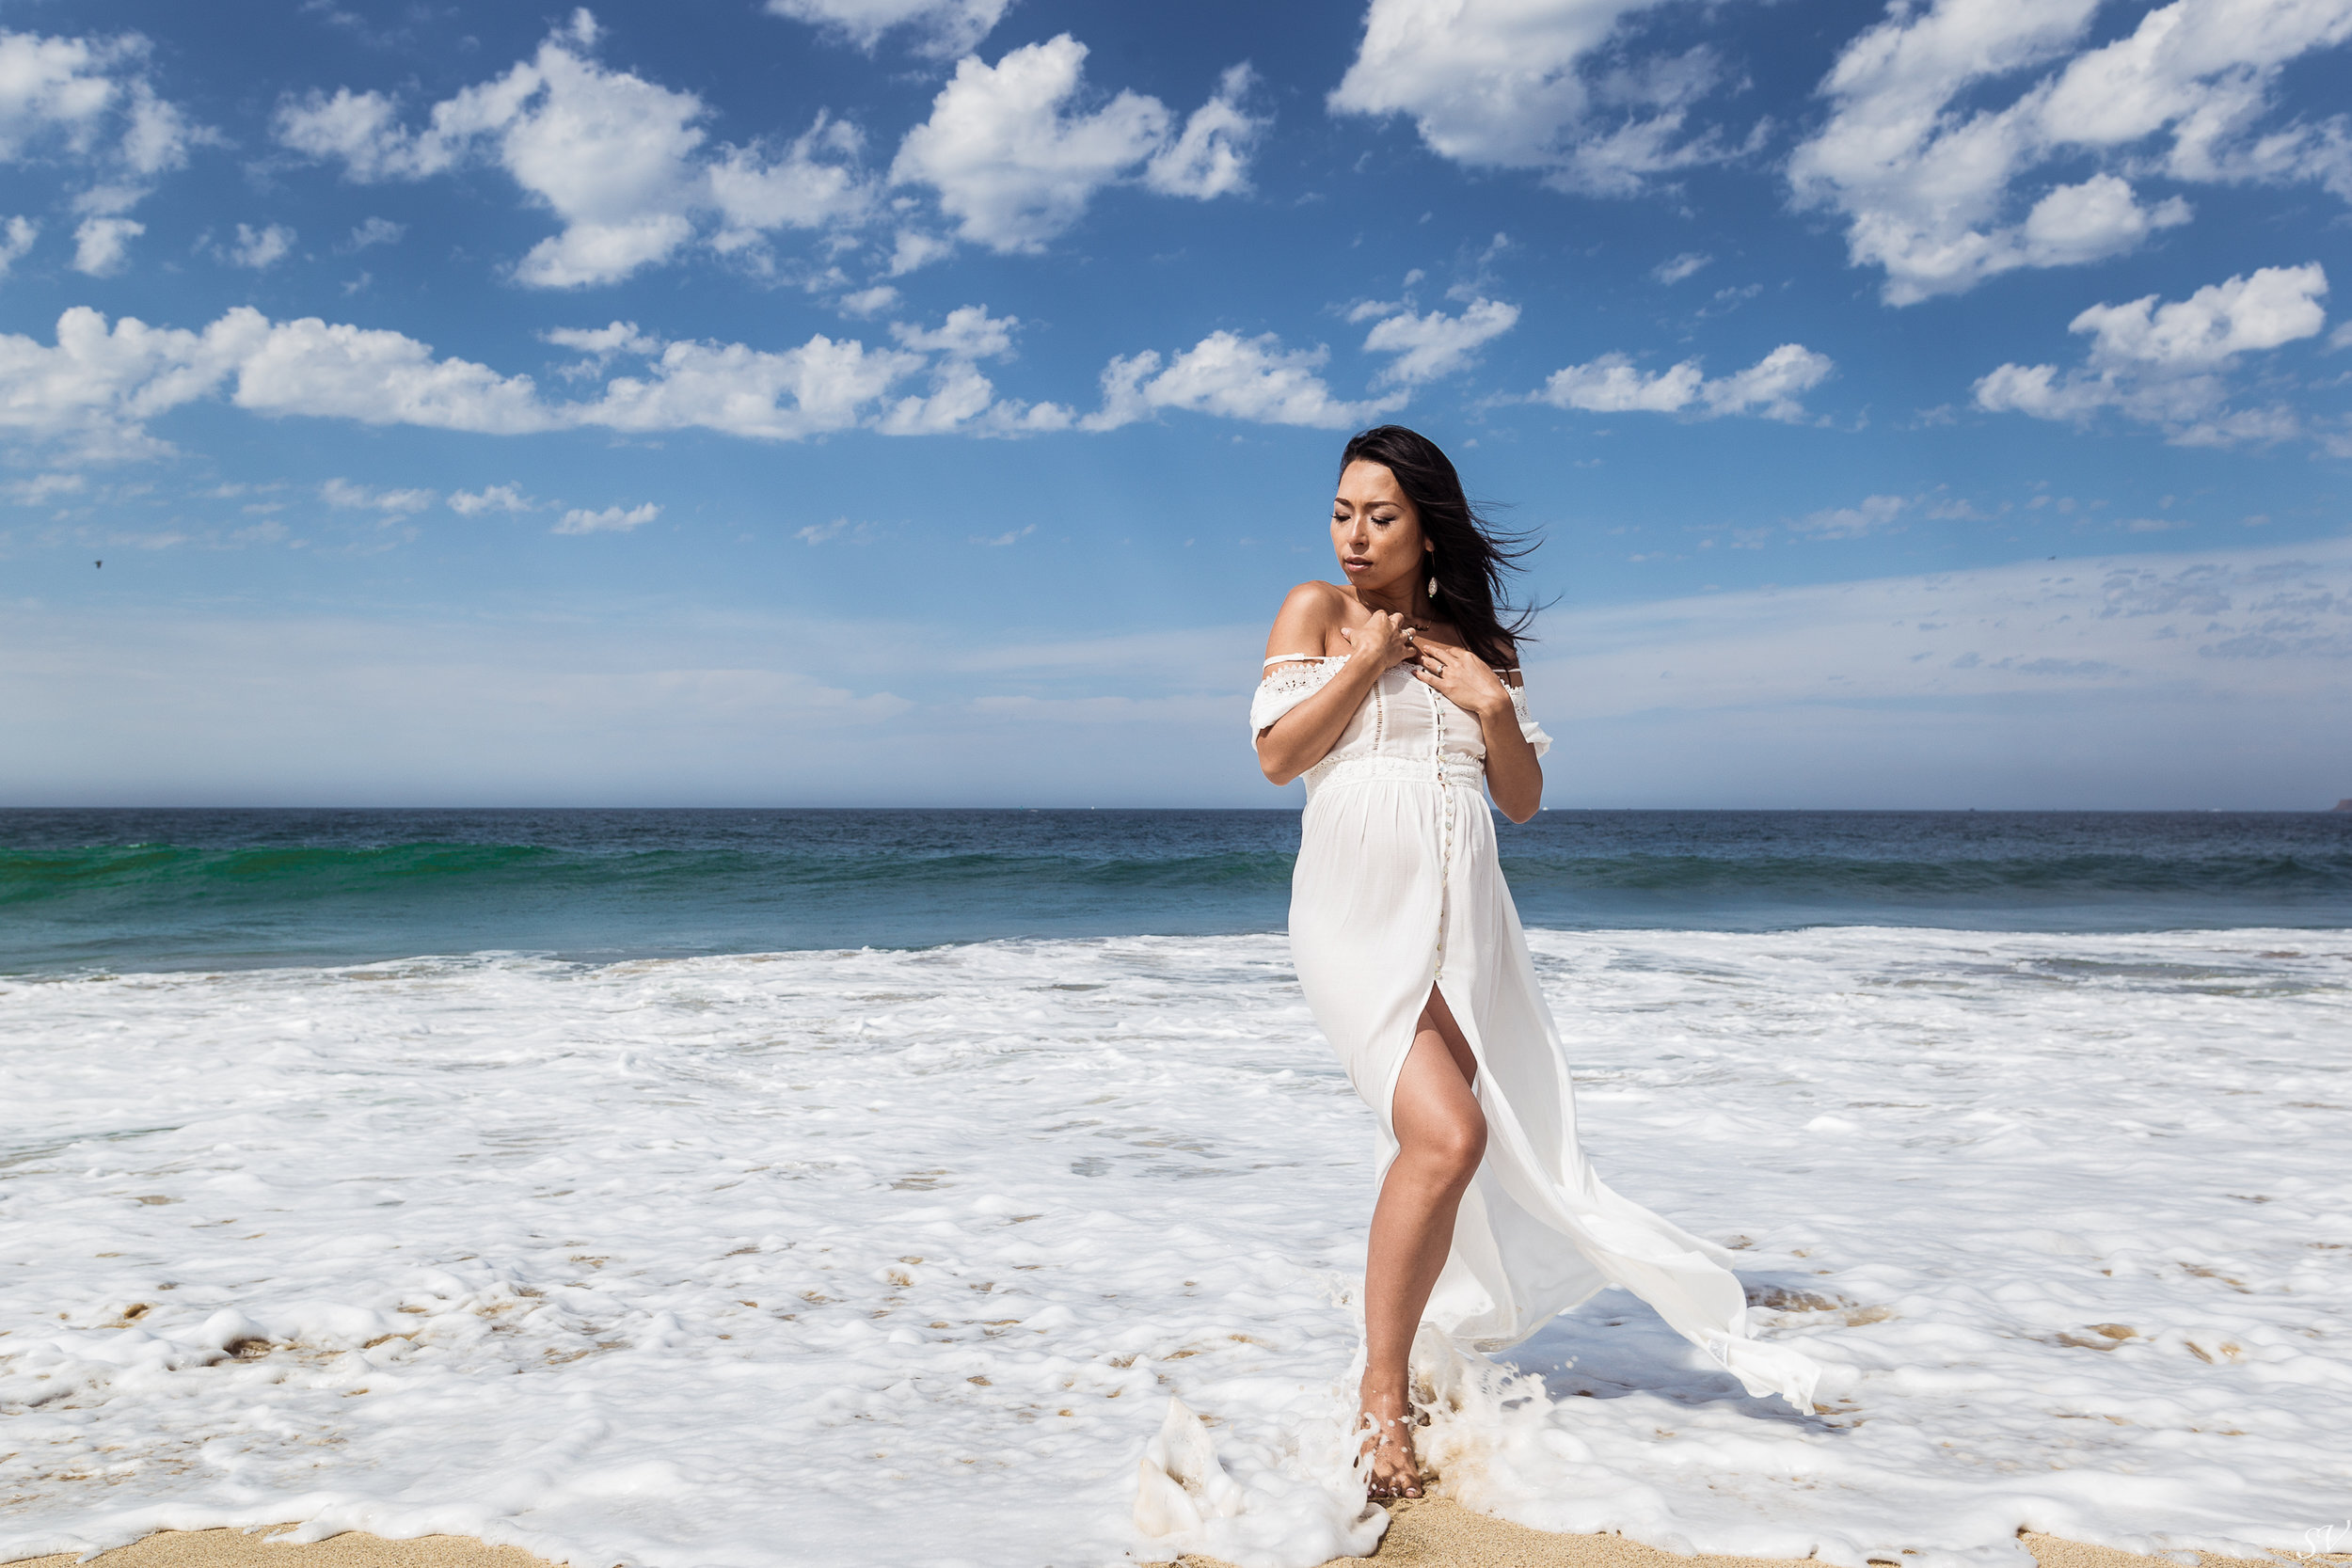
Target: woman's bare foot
x=1386, y=1425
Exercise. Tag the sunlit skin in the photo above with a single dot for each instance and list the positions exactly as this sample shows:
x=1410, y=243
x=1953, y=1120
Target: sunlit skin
x=1440, y=1131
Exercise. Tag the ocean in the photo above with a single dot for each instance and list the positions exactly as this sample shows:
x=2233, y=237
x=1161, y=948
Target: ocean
x=778, y=1188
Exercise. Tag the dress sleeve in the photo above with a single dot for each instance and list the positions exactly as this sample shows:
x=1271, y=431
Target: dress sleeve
x=1532, y=731
x=1285, y=686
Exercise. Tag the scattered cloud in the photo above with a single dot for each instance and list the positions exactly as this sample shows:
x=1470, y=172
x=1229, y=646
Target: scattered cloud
x=612, y=519
x=2168, y=364
x=1428, y=347
x=621, y=161
x=1937, y=188
x=868, y=302
x=1871, y=515
x=375, y=231
x=345, y=496
x=260, y=249
x=1551, y=87
x=88, y=104
x=102, y=246
x=17, y=235
x=490, y=498
x=1013, y=165
x=1010, y=536
x=1614, y=384
x=942, y=28
x=1232, y=377
x=1676, y=268
x=840, y=528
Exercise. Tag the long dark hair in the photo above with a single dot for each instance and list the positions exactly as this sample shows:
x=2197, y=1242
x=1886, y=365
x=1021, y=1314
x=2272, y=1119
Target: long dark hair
x=1471, y=555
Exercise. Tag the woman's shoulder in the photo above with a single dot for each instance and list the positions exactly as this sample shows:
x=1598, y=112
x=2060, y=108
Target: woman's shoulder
x=1310, y=614
x=1327, y=597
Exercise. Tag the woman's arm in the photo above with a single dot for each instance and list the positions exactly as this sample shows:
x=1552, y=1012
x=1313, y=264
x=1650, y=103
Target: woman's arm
x=1514, y=775
x=1301, y=738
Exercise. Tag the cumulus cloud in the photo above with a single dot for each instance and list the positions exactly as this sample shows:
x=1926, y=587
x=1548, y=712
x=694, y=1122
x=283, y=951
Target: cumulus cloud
x=1232, y=377
x=612, y=519
x=102, y=246
x=1613, y=384
x=16, y=241
x=619, y=160
x=1937, y=188
x=1013, y=163
x=2168, y=364
x=1428, y=347
x=1521, y=83
x=95, y=391
x=942, y=28
x=260, y=247
x=88, y=104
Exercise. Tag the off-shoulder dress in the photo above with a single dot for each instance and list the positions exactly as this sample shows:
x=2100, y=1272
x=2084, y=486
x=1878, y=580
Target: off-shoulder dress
x=1397, y=888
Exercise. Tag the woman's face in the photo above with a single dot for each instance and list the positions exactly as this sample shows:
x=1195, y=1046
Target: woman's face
x=1374, y=530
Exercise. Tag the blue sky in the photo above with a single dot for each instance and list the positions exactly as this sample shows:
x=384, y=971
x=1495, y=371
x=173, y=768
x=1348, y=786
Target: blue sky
x=835, y=401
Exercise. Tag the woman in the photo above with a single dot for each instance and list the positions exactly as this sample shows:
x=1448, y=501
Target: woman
x=1395, y=697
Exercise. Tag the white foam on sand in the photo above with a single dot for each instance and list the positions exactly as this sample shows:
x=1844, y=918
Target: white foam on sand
x=886, y=1258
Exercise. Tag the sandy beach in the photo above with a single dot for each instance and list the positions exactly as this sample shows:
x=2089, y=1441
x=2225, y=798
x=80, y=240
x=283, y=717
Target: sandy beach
x=1434, y=1532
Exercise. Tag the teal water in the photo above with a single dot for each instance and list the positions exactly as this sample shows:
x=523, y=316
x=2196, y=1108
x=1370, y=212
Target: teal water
x=165, y=889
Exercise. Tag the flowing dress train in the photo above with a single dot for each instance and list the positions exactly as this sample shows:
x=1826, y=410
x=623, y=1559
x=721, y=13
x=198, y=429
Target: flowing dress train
x=1398, y=889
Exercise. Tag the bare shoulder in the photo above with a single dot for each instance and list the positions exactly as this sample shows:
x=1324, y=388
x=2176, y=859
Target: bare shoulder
x=1509, y=663
x=1310, y=614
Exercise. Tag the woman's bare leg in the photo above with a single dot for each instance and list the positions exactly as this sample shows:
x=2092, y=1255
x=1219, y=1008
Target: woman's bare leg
x=1441, y=1135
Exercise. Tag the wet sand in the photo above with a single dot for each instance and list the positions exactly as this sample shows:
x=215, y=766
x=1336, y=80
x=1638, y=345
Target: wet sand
x=1432, y=1534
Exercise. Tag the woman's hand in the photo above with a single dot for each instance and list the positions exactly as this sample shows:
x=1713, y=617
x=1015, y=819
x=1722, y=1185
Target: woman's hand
x=1462, y=678
x=1384, y=640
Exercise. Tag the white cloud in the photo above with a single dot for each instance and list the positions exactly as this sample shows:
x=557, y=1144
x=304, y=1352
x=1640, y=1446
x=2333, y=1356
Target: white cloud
x=100, y=246
x=1234, y=377
x=618, y=158
x=1434, y=345
x=87, y=102
x=612, y=519
x=944, y=28
x=16, y=240
x=1676, y=268
x=259, y=249
x=95, y=391
x=1932, y=184
x=1613, y=385
x=1211, y=157
x=343, y=494
x=868, y=302
x=1014, y=166
x=1509, y=84
x=2167, y=365
x=490, y=498
x=1871, y=515
x=374, y=232
x=968, y=333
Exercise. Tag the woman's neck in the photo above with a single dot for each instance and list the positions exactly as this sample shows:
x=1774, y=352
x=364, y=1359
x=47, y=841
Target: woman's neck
x=1405, y=599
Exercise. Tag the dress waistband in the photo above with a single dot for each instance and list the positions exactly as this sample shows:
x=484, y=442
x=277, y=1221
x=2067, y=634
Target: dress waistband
x=1444, y=769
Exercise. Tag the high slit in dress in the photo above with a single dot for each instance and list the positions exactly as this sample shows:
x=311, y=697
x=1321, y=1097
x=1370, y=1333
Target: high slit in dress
x=1398, y=889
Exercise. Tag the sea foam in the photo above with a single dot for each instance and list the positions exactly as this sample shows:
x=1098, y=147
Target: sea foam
x=876, y=1258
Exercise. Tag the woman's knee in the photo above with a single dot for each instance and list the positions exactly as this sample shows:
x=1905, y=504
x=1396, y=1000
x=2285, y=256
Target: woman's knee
x=1451, y=1147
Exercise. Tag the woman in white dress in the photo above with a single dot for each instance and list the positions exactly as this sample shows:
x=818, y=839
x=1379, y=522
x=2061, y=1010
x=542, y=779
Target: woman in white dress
x=1396, y=697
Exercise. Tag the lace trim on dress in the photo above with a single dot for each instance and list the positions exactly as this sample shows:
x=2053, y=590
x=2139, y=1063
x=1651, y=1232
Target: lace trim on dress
x=1289, y=681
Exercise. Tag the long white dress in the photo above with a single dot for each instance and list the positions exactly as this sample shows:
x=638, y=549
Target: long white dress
x=1397, y=888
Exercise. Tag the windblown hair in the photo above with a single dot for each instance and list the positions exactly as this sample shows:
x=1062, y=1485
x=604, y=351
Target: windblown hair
x=1472, y=555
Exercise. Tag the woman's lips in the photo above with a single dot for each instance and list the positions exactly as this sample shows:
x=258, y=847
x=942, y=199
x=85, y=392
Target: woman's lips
x=1355, y=564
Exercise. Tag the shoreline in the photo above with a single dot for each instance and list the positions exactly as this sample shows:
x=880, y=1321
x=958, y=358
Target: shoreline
x=1431, y=1532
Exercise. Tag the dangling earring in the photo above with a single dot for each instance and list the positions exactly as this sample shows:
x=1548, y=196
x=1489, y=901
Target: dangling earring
x=1433, y=582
